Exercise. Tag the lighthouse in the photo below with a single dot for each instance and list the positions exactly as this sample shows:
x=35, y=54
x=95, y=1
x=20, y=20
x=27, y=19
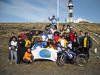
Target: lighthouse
x=70, y=6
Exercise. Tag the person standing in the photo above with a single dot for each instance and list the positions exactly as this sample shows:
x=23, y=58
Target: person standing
x=21, y=50
x=80, y=39
x=87, y=44
x=53, y=21
x=12, y=36
x=13, y=50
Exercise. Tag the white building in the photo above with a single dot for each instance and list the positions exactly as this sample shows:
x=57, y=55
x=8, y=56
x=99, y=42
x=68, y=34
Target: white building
x=81, y=20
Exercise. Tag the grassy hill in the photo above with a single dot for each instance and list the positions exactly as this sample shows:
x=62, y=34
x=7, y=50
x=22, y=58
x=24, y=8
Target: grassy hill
x=6, y=28
x=92, y=27
x=42, y=67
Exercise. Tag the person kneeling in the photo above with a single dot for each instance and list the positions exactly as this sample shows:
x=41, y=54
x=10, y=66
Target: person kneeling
x=28, y=57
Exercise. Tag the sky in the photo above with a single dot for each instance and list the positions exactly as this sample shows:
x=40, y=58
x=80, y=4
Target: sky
x=40, y=10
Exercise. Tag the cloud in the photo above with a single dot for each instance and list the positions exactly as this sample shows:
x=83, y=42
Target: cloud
x=28, y=11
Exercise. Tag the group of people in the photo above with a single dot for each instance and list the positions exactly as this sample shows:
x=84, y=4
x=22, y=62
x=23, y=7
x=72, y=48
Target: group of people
x=20, y=47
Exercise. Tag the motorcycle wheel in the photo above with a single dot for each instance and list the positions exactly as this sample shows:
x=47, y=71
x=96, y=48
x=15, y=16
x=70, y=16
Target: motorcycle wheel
x=81, y=60
x=60, y=60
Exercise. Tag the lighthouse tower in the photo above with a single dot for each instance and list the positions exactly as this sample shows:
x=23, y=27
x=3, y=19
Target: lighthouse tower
x=70, y=11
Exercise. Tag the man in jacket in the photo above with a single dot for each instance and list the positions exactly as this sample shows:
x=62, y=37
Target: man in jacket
x=87, y=43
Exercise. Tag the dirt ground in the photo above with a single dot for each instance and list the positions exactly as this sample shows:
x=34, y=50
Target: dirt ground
x=45, y=67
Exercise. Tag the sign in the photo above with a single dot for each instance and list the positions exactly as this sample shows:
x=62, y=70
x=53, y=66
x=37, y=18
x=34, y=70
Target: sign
x=45, y=53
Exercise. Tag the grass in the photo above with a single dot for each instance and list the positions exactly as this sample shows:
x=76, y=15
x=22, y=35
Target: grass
x=3, y=32
x=93, y=27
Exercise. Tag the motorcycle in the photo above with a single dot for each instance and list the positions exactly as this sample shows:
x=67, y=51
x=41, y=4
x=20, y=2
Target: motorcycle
x=71, y=56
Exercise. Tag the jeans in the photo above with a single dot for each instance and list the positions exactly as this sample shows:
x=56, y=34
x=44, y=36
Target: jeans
x=28, y=61
x=14, y=55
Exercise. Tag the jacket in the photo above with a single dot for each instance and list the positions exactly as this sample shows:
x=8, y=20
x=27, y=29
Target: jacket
x=87, y=42
x=27, y=56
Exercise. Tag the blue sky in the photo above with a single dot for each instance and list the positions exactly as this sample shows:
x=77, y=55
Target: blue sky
x=39, y=10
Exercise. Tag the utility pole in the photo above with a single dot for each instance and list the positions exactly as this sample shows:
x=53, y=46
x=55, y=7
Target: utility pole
x=57, y=14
